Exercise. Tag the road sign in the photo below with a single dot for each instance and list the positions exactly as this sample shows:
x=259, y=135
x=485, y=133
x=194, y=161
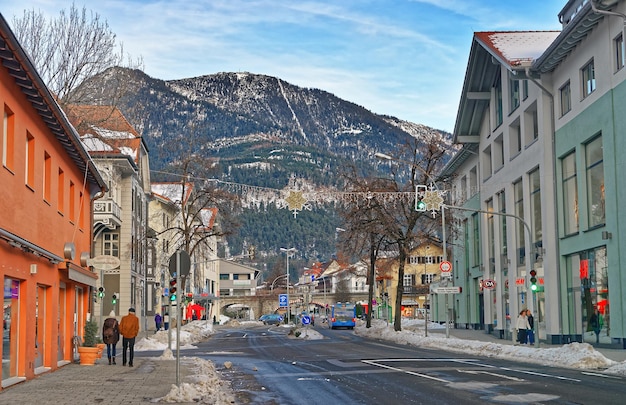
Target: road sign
x=448, y=290
x=445, y=266
x=306, y=320
x=282, y=301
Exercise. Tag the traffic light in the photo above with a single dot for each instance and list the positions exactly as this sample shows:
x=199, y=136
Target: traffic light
x=420, y=192
x=533, y=280
x=114, y=299
x=101, y=292
x=173, y=289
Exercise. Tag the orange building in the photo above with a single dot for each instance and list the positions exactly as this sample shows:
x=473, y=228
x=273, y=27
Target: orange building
x=48, y=183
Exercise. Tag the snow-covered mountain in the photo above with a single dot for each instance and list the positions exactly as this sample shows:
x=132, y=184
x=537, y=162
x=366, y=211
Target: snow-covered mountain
x=225, y=114
x=262, y=130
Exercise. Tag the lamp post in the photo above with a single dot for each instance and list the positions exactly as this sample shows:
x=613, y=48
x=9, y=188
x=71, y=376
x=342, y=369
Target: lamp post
x=288, y=252
x=273, y=282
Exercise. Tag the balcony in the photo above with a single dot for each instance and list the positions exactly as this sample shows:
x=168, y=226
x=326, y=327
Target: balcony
x=107, y=213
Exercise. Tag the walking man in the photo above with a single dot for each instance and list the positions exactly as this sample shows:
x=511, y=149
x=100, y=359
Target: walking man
x=129, y=328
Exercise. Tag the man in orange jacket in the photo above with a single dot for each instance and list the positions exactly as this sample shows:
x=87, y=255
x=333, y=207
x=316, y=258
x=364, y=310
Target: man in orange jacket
x=129, y=328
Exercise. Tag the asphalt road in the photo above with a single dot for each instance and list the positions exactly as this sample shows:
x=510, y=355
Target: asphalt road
x=270, y=367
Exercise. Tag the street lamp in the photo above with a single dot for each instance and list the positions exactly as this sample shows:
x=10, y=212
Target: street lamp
x=288, y=252
x=273, y=282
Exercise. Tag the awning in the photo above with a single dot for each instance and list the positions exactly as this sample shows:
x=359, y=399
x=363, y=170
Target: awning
x=79, y=274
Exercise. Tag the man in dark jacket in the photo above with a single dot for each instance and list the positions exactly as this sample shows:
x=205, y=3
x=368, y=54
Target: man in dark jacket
x=110, y=336
x=129, y=328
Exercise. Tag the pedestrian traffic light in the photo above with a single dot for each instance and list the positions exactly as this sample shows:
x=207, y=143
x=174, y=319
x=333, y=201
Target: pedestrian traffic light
x=173, y=289
x=114, y=299
x=533, y=280
x=420, y=192
x=101, y=292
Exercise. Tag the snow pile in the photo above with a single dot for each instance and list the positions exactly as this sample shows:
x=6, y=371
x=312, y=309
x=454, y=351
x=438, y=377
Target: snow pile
x=190, y=334
x=575, y=355
x=206, y=388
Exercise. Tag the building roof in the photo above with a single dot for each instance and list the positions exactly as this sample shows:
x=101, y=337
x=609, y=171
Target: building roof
x=576, y=28
x=172, y=191
x=20, y=67
x=105, y=131
x=208, y=216
x=514, y=48
x=490, y=50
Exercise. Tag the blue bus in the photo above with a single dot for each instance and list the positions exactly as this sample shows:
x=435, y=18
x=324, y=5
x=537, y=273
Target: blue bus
x=343, y=314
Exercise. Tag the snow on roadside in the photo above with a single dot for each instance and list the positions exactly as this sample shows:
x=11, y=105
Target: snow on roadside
x=574, y=355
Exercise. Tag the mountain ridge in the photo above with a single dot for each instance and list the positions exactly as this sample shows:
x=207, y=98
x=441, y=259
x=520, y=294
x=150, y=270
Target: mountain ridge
x=263, y=130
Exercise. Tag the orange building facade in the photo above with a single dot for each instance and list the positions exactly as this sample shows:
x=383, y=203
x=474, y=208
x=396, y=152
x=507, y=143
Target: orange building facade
x=47, y=186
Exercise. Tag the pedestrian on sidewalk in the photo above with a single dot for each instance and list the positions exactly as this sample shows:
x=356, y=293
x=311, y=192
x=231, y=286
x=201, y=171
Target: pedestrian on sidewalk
x=110, y=336
x=595, y=321
x=129, y=328
x=157, y=321
x=522, y=327
x=166, y=321
x=531, y=330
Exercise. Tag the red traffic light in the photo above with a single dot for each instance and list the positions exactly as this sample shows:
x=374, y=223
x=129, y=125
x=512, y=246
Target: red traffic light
x=533, y=280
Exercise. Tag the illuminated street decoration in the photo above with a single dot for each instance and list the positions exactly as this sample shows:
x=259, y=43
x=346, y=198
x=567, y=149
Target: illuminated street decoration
x=433, y=199
x=295, y=202
x=300, y=195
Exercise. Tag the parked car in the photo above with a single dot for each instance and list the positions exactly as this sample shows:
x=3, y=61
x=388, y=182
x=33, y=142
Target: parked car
x=271, y=319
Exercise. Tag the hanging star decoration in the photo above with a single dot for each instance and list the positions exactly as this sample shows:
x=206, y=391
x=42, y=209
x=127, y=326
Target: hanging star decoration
x=295, y=199
x=433, y=199
x=295, y=202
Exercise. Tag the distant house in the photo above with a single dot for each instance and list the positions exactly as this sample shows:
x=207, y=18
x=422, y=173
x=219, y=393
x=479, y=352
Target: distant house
x=420, y=271
x=49, y=183
x=236, y=279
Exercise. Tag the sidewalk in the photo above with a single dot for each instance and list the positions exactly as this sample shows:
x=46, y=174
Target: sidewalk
x=611, y=353
x=103, y=383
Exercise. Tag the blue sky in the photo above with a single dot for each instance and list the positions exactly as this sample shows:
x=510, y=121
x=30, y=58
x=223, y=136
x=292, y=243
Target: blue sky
x=405, y=58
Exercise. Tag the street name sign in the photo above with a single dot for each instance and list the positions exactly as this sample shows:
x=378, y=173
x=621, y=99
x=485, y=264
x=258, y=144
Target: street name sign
x=448, y=290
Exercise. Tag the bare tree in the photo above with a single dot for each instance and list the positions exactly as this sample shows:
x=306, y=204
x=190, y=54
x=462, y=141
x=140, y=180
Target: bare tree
x=396, y=221
x=198, y=193
x=365, y=233
x=69, y=49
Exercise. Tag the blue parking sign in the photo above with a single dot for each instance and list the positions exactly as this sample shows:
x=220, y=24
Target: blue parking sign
x=282, y=300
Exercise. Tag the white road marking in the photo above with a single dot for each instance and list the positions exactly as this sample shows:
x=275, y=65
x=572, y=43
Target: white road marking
x=558, y=377
x=528, y=398
x=373, y=363
x=600, y=375
x=492, y=374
